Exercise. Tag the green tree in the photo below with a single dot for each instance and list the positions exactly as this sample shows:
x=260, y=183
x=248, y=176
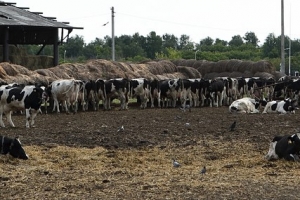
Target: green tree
x=74, y=47
x=270, y=47
x=154, y=45
x=251, y=38
x=184, y=41
x=236, y=41
x=207, y=41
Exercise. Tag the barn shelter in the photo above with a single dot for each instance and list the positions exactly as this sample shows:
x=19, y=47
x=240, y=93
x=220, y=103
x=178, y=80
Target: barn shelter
x=18, y=26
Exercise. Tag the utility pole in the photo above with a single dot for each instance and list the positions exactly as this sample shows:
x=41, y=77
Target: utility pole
x=282, y=64
x=113, y=33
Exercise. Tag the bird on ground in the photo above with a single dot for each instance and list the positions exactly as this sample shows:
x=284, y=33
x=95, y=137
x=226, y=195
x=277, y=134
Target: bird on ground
x=105, y=24
x=121, y=129
x=203, y=170
x=175, y=163
x=233, y=125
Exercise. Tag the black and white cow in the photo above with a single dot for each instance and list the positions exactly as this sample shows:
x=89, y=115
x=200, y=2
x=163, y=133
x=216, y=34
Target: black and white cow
x=100, y=92
x=217, y=91
x=116, y=88
x=28, y=98
x=185, y=93
x=169, y=89
x=90, y=90
x=154, y=91
x=286, y=147
x=12, y=147
x=139, y=87
x=282, y=107
x=195, y=92
x=242, y=87
x=246, y=105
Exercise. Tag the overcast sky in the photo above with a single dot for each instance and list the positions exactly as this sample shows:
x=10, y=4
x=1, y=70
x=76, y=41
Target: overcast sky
x=196, y=18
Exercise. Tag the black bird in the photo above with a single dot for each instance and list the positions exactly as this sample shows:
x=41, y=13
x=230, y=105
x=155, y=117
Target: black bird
x=233, y=125
x=105, y=24
x=203, y=171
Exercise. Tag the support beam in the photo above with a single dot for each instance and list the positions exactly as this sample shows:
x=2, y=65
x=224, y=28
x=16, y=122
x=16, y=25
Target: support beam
x=55, y=47
x=6, y=45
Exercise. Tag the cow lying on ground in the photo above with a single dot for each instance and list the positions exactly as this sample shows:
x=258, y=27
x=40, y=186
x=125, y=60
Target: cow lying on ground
x=281, y=107
x=246, y=105
x=286, y=147
x=12, y=147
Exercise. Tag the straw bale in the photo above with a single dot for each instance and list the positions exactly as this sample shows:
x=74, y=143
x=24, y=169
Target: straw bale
x=2, y=72
x=277, y=75
x=9, y=69
x=236, y=74
x=211, y=75
x=265, y=75
x=189, y=72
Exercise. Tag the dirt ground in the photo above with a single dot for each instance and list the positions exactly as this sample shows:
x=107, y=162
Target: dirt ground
x=82, y=156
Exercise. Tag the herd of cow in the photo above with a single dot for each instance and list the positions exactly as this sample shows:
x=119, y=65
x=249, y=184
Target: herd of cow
x=242, y=95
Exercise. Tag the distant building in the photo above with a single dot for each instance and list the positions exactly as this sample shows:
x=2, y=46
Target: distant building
x=18, y=26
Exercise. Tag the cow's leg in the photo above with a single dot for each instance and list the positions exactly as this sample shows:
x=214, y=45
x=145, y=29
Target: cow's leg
x=56, y=106
x=108, y=104
x=1, y=119
x=67, y=104
x=27, y=112
x=33, y=116
x=8, y=116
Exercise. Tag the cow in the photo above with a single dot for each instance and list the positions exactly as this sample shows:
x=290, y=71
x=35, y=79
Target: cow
x=116, y=88
x=282, y=107
x=195, y=92
x=65, y=91
x=185, y=93
x=12, y=147
x=139, y=87
x=28, y=98
x=154, y=91
x=217, y=90
x=287, y=147
x=204, y=95
x=169, y=89
x=242, y=87
x=231, y=89
x=90, y=91
x=246, y=105
x=99, y=92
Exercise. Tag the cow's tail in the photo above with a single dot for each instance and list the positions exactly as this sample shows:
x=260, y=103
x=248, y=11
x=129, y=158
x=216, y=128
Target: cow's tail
x=71, y=86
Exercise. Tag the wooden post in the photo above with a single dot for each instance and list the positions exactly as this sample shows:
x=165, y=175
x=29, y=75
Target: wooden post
x=55, y=47
x=6, y=45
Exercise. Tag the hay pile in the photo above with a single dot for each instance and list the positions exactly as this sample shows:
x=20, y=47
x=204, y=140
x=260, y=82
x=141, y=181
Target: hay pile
x=95, y=69
x=231, y=68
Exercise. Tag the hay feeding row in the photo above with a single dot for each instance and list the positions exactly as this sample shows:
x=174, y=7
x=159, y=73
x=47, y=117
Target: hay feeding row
x=231, y=68
x=162, y=69
x=95, y=69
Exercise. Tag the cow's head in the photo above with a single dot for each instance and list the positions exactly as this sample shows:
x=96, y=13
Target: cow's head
x=14, y=148
x=290, y=105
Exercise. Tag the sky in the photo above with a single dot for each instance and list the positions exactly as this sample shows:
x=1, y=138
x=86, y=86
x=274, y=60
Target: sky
x=197, y=19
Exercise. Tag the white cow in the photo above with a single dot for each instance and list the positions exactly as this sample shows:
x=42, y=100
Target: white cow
x=244, y=105
x=65, y=91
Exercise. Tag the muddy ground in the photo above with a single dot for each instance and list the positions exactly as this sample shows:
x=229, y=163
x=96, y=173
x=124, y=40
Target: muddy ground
x=82, y=156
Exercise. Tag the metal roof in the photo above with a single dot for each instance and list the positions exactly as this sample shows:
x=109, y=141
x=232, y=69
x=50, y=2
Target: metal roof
x=25, y=27
x=11, y=15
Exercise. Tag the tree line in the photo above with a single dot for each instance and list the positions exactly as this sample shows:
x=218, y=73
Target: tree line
x=138, y=48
